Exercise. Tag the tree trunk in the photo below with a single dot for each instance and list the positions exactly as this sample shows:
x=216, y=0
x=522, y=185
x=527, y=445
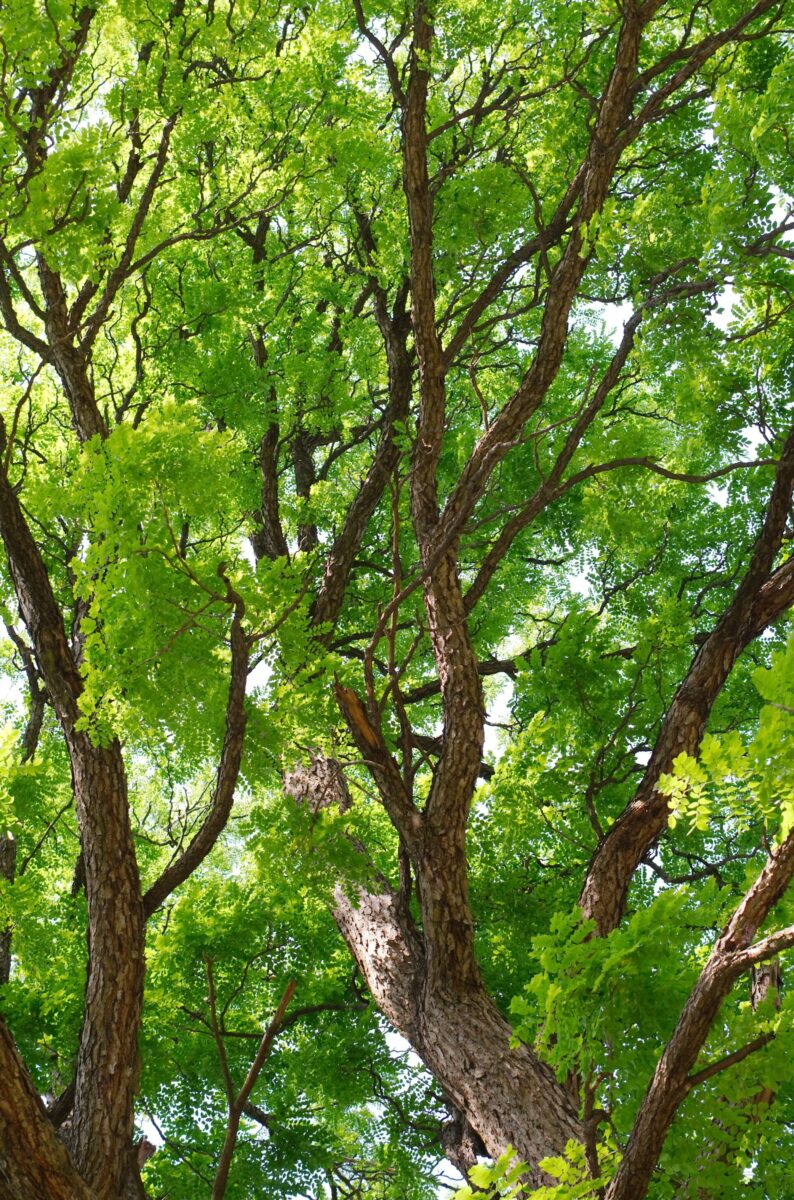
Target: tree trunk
x=107, y=1060
x=8, y=858
x=34, y=1164
x=508, y=1096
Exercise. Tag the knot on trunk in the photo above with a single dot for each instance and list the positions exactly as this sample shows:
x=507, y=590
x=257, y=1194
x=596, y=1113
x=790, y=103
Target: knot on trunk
x=462, y=1144
x=764, y=979
x=318, y=785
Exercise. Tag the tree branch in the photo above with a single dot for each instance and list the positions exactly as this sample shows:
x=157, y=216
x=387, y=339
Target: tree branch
x=760, y=598
x=672, y=1079
x=226, y=779
x=238, y=1103
x=730, y=1060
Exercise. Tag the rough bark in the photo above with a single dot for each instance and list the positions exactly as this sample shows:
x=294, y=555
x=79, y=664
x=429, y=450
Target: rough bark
x=34, y=1163
x=508, y=1096
x=107, y=1061
x=69, y=361
x=429, y=985
x=318, y=785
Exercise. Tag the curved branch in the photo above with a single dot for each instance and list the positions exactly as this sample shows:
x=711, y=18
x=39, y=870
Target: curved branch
x=672, y=1080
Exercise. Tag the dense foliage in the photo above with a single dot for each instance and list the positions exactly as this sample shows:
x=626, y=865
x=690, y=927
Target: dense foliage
x=372, y=376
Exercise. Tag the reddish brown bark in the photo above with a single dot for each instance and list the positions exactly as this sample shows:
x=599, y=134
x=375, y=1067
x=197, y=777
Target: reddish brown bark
x=34, y=1163
x=426, y=980
x=508, y=1096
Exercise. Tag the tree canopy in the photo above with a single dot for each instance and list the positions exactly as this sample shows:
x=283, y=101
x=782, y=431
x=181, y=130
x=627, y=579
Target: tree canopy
x=396, y=478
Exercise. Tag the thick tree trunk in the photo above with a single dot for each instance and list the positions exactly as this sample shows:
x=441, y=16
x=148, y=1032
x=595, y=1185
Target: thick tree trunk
x=107, y=1061
x=508, y=1096
x=34, y=1164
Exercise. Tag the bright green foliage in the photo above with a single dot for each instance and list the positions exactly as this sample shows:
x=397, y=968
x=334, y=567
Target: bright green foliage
x=743, y=784
x=248, y=303
x=575, y=1182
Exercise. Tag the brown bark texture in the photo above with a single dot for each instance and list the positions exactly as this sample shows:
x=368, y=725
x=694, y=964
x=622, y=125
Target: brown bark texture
x=414, y=945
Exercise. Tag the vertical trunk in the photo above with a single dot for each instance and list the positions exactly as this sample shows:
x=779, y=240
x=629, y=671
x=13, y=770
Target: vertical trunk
x=108, y=1052
x=305, y=478
x=8, y=860
x=107, y=1061
x=268, y=538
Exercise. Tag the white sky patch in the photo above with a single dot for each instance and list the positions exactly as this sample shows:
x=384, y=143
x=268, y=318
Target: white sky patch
x=724, y=312
x=259, y=677
x=754, y=438
x=719, y=490
x=579, y=583
x=247, y=551
x=11, y=691
x=718, y=493
x=612, y=317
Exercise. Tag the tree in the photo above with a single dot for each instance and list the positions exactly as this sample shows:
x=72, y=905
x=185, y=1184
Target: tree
x=370, y=371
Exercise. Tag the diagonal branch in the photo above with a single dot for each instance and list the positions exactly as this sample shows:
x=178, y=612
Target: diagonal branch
x=385, y=55
x=237, y=1103
x=730, y=1060
x=33, y=1160
x=672, y=1080
x=695, y=57
x=226, y=779
x=762, y=596
x=614, y=130
x=551, y=488
x=120, y=273
x=13, y=324
x=597, y=171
